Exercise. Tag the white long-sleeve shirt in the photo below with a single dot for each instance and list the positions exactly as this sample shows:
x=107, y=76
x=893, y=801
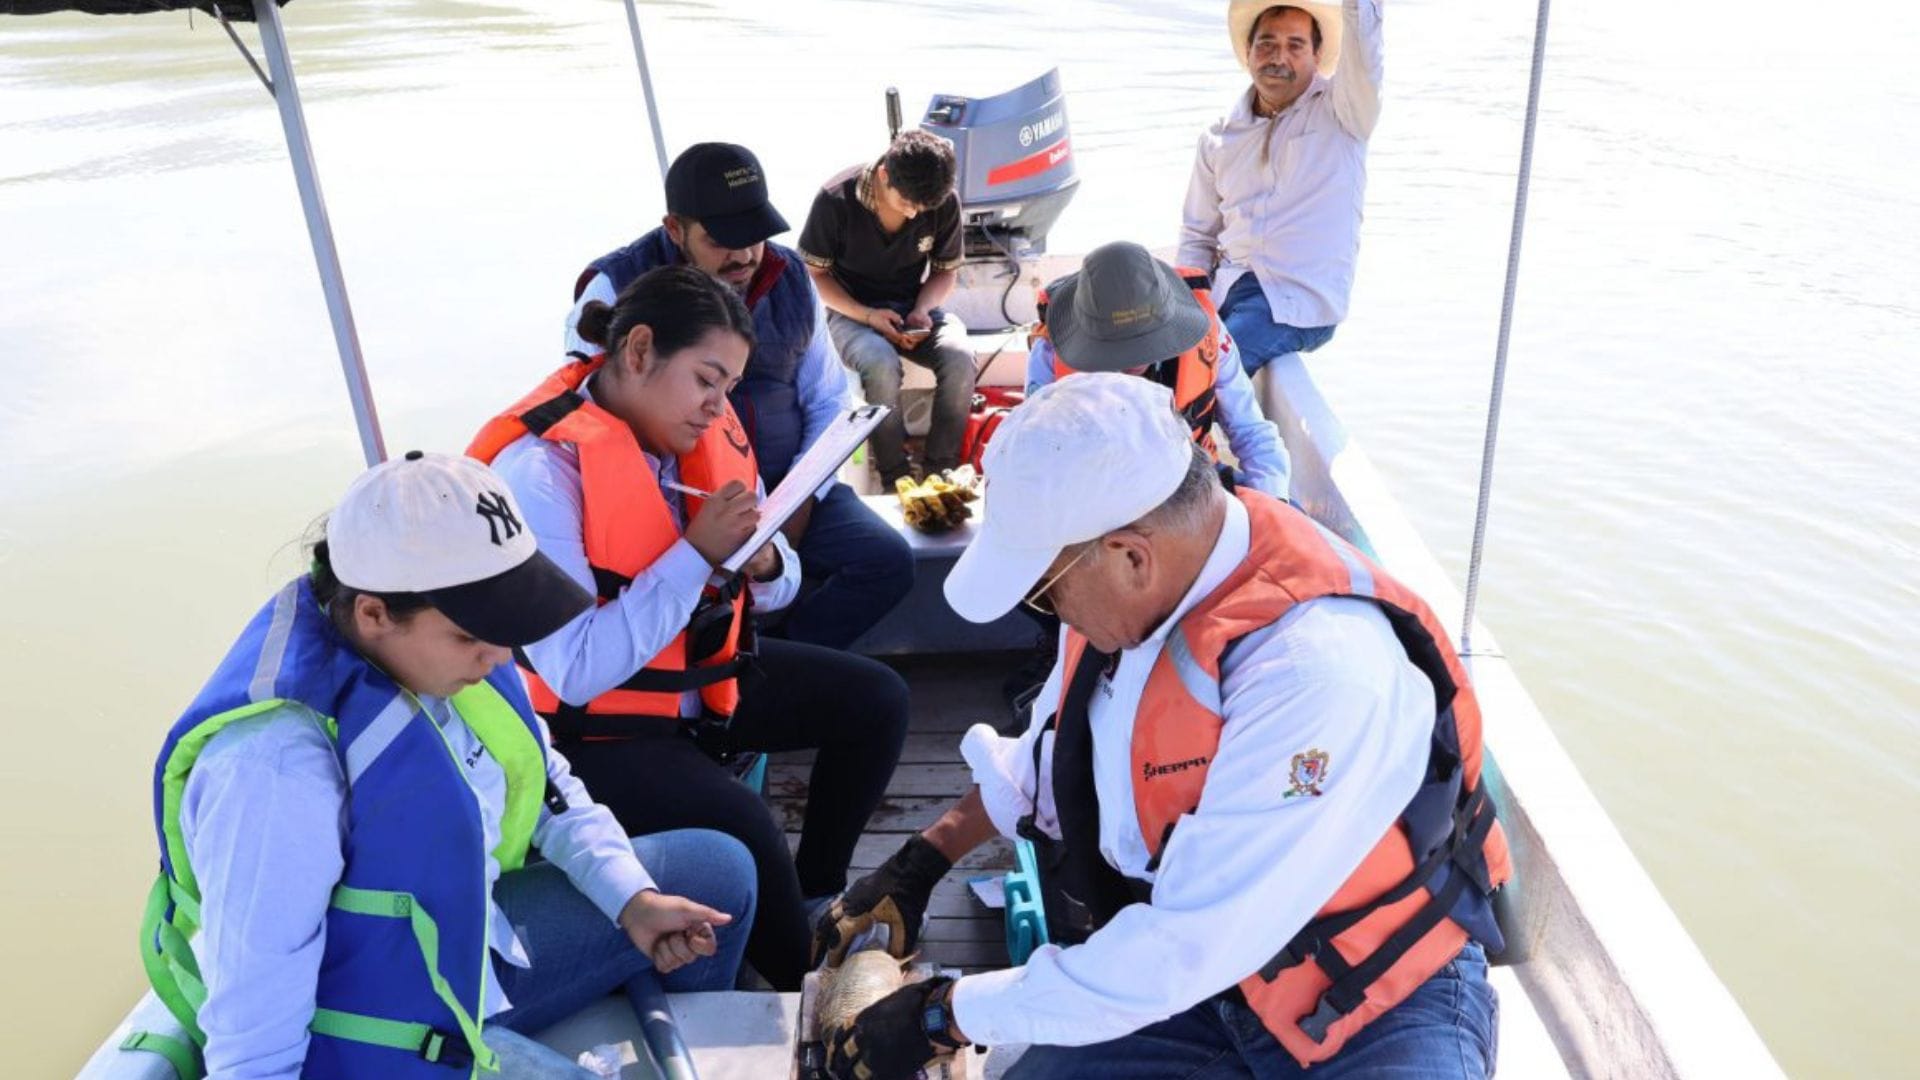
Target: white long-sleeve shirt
x=604, y=646
x=264, y=817
x=1254, y=439
x=1253, y=863
x=1281, y=197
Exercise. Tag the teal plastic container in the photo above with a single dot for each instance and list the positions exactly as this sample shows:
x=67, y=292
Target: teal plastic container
x=1025, y=915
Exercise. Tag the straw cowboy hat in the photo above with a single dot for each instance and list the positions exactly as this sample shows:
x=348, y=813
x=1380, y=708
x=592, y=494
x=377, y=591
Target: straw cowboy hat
x=1242, y=13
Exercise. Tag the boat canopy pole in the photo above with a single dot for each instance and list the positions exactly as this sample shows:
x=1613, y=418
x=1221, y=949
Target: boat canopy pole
x=273, y=41
x=245, y=53
x=646, y=86
x=1506, y=327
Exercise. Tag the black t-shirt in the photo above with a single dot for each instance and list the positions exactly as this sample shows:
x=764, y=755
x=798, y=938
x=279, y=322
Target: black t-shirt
x=878, y=269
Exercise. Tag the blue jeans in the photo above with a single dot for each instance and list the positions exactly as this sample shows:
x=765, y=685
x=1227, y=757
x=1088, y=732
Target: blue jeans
x=1448, y=1030
x=856, y=568
x=874, y=359
x=579, y=957
x=1249, y=321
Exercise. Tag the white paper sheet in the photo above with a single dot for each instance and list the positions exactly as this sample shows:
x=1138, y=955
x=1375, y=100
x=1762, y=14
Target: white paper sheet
x=821, y=460
x=991, y=891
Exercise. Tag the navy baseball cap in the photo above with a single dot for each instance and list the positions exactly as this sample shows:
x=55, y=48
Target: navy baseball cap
x=722, y=187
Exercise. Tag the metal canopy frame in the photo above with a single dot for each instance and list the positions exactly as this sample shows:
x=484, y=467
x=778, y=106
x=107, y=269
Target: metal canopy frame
x=279, y=81
x=646, y=85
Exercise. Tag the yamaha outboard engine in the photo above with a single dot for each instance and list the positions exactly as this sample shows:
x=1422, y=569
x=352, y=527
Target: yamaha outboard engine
x=1016, y=174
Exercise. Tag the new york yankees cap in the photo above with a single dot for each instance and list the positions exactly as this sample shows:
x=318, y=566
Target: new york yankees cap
x=448, y=528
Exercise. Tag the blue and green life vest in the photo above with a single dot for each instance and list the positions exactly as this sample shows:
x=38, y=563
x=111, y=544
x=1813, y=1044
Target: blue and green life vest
x=403, y=977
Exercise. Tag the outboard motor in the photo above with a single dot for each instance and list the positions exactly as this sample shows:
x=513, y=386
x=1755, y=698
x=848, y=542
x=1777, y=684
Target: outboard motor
x=1016, y=174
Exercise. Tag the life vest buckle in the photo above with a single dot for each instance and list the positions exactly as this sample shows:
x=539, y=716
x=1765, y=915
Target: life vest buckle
x=1316, y=1023
x=444, y=1048
x=713, y=734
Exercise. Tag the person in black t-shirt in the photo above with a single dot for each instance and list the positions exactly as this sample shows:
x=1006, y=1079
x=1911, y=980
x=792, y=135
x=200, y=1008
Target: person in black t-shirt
x=883, y=245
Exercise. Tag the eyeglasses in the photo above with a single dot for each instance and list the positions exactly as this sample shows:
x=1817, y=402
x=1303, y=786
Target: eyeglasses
x=1037, y=599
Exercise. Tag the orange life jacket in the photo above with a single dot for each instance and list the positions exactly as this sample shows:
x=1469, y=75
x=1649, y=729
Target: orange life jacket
x=1422, y=891
x=627, y=526
x=1191, y=376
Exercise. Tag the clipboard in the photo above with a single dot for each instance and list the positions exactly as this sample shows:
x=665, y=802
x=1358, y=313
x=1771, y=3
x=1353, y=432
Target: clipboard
x=834, y=446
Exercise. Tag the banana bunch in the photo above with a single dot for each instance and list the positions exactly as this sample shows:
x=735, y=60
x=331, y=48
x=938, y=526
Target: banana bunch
x=939, y=502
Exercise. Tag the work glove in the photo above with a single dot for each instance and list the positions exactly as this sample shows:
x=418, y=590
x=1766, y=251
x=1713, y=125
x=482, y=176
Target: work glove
x=896, y=1037
x=894, y=896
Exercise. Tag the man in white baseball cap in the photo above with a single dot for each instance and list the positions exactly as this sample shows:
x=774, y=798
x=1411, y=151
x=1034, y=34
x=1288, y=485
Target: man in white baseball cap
x=1255, y=744
x=361, y=768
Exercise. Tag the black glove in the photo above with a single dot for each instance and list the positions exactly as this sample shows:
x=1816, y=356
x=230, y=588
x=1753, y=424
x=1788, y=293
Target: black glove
x=895, y=895
x=897, y=1036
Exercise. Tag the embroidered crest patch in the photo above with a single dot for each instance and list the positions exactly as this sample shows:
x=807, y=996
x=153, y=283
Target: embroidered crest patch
x=1308, y=772
x=925, y=245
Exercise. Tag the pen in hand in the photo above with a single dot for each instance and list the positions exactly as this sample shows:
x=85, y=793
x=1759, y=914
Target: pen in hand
x=686, y=490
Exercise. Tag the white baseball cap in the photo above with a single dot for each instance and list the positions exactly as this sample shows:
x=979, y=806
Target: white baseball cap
x=447, y=527
x=1080, y=458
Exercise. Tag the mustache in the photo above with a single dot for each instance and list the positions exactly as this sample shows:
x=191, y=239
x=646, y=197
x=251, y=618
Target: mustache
x=731, y=267
x=1276, y=71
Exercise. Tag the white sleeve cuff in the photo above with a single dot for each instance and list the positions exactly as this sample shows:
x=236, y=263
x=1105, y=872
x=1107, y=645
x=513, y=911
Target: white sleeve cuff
x=614, y=882
x=1003, y=768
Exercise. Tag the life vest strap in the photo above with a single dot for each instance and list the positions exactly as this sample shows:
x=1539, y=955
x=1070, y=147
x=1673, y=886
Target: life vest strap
x=608, y=583
x=541, y=418
x=380, y=903
x=433, y=1045
x=1349, y=984
x=663, y=681
x=171, y=967
x=181, y=1054
x=1473, y=820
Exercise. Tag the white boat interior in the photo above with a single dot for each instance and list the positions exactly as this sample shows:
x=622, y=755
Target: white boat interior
x=1608, y=983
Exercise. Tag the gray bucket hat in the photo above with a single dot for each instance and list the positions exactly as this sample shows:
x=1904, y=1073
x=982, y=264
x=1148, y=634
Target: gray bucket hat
x=1123, y=309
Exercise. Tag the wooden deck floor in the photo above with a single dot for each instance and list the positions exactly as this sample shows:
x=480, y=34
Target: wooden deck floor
x=949, y=696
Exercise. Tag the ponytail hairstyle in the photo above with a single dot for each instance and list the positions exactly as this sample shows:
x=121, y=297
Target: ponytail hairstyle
x=338, y=598
x=680, y=304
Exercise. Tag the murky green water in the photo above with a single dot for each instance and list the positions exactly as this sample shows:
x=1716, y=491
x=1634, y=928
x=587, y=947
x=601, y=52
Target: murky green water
x=1706, y=545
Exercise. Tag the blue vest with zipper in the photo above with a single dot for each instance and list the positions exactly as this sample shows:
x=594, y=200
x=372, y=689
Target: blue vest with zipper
x=767, y=399
x=406, y=935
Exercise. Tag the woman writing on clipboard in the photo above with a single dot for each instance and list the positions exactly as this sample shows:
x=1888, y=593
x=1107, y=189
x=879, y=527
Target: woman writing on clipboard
x=651, y=692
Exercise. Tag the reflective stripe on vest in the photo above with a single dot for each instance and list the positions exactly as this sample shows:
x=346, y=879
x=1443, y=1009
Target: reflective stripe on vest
x=1421, y=892
x=1193, y=375
x=626, y=527
x=415, y=879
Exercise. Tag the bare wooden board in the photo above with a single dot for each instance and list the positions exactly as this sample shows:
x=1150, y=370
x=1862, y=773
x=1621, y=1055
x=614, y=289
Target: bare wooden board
x=951, y=780
x=896, y=814
x=872, y=849
x=921, y=748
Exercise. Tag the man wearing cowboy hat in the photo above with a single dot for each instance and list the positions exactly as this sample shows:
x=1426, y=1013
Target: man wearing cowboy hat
x=1273, y=208
x=1252, y=783
x=1125, y=310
